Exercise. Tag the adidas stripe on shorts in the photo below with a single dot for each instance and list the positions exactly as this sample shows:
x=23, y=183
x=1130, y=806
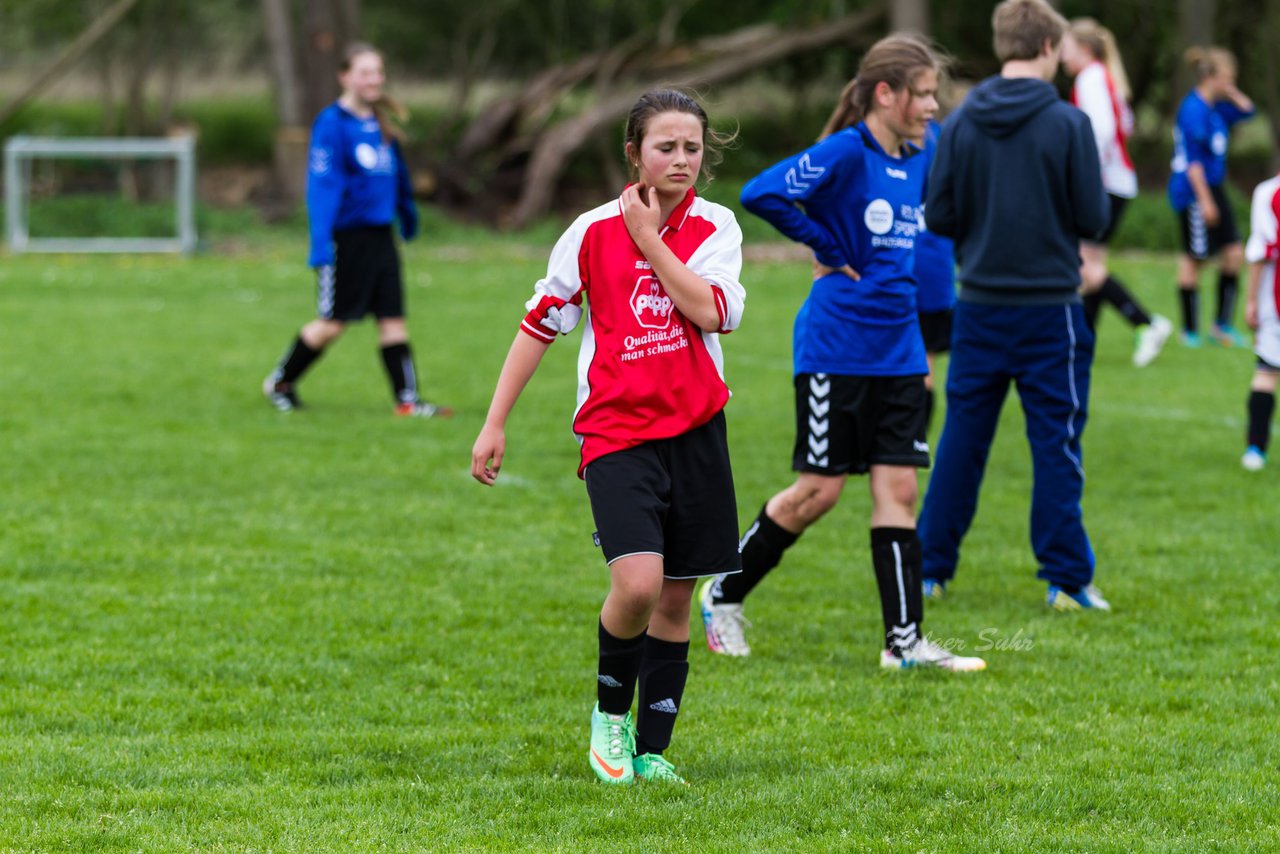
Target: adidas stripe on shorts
x=845, y=425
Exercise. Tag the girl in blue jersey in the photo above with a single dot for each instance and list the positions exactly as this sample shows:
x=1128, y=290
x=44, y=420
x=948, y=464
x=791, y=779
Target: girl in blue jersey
x=357, y=184
x=1197, y=190
x=854, y=199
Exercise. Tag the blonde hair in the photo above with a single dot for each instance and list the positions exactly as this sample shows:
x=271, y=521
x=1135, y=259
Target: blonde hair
x=389, y=112
x=896, y=60
x=1208, y=60
x=1019, y=28
x=1102, y=44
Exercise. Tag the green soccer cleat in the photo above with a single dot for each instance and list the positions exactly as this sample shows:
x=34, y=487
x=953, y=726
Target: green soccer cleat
x=613, y=744
x=655, y=767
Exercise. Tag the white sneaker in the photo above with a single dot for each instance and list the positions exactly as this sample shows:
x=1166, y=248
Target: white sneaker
x=724, y=623
x=1253, y=459
x=1151, y=339
x=926, y=653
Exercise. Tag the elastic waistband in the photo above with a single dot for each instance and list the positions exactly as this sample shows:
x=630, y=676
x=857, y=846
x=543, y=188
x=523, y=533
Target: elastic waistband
x=1043, y=295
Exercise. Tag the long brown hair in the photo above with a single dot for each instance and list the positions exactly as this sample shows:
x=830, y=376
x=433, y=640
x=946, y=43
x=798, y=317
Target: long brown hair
x=389, y=112
x=897, y=60
x=657, y=101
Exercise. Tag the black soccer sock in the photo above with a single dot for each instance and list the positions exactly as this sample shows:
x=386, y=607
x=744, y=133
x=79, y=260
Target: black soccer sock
x=617, y=672
x=1228, y=286
x=896, y=556
x=1118, y=295
x=295, y=361
x=663, y=672
x=398, y=359
x=1092, y=304
x=762, y=547
x=1262, y=405
x=1190, y=299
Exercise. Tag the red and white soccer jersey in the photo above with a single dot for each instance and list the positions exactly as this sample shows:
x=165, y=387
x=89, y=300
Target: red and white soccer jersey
x=1095, y=93
x=1263, y=248
x=645, y=371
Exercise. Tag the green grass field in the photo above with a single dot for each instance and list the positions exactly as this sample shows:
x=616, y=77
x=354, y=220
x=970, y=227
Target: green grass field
x=227, y=629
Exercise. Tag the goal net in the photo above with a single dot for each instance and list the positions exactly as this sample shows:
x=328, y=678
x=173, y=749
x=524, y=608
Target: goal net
x=41, y=174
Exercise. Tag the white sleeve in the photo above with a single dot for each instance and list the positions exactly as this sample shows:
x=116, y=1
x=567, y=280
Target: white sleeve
x=719, y=261
x=1093, y=98
x=1262, y=223
x=556, y=304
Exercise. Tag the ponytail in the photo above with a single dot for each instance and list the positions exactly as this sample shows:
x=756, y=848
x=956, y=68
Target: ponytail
x=896, y=60
x=1206, y=61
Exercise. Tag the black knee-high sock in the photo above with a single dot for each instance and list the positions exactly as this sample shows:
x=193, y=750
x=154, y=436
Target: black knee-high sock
x=294, y=363
x=1190, y=299
x=1118, y=295
x=617, y=672
x=1262, y=404
x=895, y=554
x=1092, y=303
x=1228, y=286
x=762, y=547
x=663, y=673
x=398, y=359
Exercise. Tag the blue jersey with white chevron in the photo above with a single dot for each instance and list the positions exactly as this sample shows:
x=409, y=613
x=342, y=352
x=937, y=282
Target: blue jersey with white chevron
x=1200, y=135
x=853, y=204
x=935, y=264
x=355, y=178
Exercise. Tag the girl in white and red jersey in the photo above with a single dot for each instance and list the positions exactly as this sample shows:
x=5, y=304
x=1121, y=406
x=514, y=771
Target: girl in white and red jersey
x=1262, y=313
x=659, y=270
x=1101, y=90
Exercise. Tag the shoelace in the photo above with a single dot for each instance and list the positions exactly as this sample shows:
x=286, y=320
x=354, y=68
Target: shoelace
x=731, y=633
x=663, y=768
x=924, y=650
x=621, y=738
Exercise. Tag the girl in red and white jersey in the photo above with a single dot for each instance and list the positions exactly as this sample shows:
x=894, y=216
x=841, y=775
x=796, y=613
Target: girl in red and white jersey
x=658, y=270
x=1101, y=90
x=1262, y=313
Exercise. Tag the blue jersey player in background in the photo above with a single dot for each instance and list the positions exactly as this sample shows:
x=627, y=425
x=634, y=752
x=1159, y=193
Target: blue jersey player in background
x=854, y=199
x=357, y=186
x=1197, y=191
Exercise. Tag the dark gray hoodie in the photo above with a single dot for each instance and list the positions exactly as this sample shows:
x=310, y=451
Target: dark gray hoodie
x=1017, y=184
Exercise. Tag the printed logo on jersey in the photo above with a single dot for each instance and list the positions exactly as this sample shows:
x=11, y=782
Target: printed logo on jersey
x=366, y=155
x=651, y=304
x=652, y=308
x=801, y=176
x=1219, y=144
x=900, y=174
x=321, y=160
x=878, y=217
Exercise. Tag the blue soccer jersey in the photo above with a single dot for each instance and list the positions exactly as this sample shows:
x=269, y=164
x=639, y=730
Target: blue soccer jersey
x=853, y=204
x=1200, y=136
x=355, y=178
x=935, y=264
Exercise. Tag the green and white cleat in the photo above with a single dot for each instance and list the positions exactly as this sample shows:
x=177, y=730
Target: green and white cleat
x=654, y=767
x=613, y=744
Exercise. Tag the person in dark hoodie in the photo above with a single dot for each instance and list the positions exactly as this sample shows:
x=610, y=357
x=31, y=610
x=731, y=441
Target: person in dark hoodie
x=1017, y=184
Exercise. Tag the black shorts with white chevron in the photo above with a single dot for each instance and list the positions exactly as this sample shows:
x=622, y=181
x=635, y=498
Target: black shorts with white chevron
x=845, y=425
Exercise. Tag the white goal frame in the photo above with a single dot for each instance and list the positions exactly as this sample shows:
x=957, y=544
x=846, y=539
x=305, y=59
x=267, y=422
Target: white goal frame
x=20, y=151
